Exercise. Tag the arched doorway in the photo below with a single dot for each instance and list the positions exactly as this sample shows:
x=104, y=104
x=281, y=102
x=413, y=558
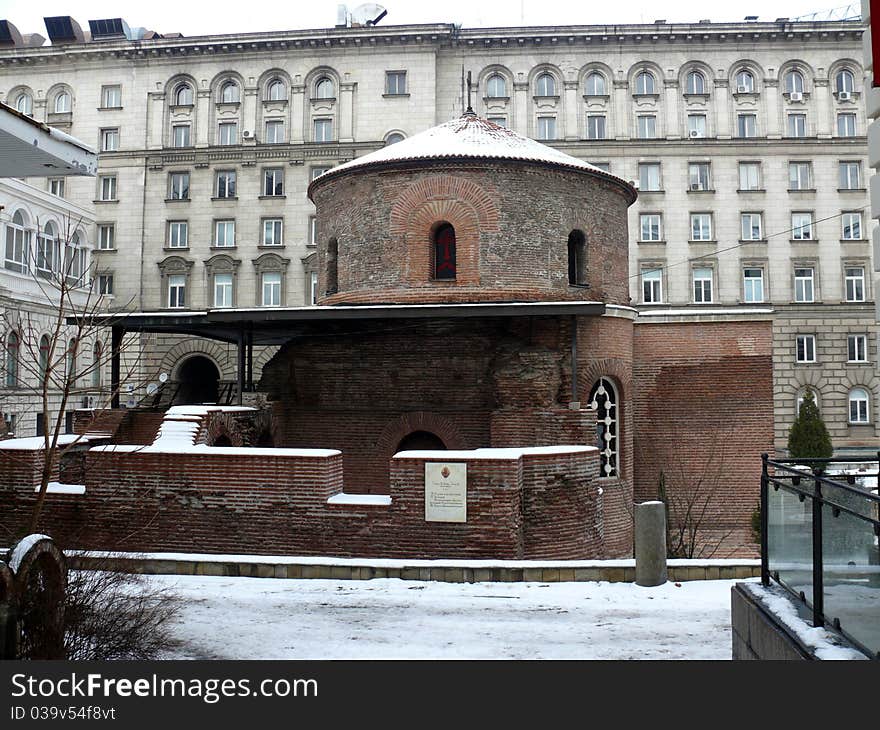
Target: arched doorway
x=421, y=441
x=198, y=378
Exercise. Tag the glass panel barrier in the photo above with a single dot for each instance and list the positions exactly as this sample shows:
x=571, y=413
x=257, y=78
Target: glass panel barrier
x=790, y=538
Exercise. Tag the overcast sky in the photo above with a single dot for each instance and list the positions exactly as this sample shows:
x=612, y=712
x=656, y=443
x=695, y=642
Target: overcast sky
x=192, y=17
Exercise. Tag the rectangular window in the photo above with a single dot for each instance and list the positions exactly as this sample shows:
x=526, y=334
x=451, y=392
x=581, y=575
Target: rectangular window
x=696, y=125
x=18, y=245
x=177, y=291
x=323, y=130
x=178, y=234
x=802, y=226
x=751, y=226
x=851, y=227
x=272, y=289
x=806, y=348
x=649, y=176
x=105, y=285
x=226, y=180
x=315, y=171
x=606, y=166
x=749, y=175
x=313, y=230
x=272, y=229
x=596, y=126
x=858, y=406
x=797, y=125
x=56, y=187
x=800, y=176
x=652, y=286
x=106, y=236
x=746, y=125
x=857, y=348
x=546, y=127
x=753, y=285
x=222, y=290
x=313, y=288
x=698, y=176
x=850, y=175
x=107, y=186
x=804, y=288
x=227, y=133
x=647, y=126
x=224, y=233
x=273, y=181
x=846, y=125
x=274, y=131
x=701, y=226
x=111, y=97
x=502, y=121
x=178, y=186
x=855, y=283
x=395, y=82
x=180, y=135
x=651, y=227
x=702, y=285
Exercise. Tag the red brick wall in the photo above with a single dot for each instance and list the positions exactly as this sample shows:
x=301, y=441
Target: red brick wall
x=703, y=403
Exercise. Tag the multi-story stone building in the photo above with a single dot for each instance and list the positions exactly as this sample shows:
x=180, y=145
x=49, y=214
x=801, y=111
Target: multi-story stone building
x=746, y=142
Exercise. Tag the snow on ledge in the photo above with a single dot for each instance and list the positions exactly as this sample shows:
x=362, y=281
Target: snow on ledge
x=176, y=447
x=59, y=488
x=370, y=500
x=22, y=549
x=36, y=443
x=496, y=454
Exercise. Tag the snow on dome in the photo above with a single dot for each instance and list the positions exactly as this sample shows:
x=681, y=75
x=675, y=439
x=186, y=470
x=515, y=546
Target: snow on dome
x=469, y=136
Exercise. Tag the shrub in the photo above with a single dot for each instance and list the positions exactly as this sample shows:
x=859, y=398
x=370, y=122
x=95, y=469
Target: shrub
x=808, y=437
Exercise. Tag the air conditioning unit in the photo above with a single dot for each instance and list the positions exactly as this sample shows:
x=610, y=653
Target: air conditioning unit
x=742, y=89
x=694, y=134
x=247, y=134
x=844, y=95
x=796, y=96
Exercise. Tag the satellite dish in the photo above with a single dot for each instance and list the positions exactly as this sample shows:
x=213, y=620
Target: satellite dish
x=152, y=388
x=368, y=14
x=163, y=378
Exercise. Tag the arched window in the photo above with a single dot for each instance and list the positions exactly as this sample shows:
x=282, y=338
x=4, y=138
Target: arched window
x=745, y=82
x=24, y=103
x=645, y=82
x=844, y=81
x=183, y=95
x=545, y=85
x=44, y=356
x=444, y=251
x=13, y=344
x=577, y=258
x=71, y=361
x=45, y=258
x=595, y=84
x=97, y=363
x=696, y=83
x=794, y=82
x=229, y=93
x=496, y=87
x=393, y=138
x=332, y=266
x=858, y=406
x=276, y=90
x=18, y=244
x=62, y=103
x=324, y=88
x=603, y=400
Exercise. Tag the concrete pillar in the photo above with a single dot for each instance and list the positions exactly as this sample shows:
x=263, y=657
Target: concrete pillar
x=650, y=544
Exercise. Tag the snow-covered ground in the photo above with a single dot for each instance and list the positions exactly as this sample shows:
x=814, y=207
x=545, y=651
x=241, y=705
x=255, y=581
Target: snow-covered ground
x=254, y=618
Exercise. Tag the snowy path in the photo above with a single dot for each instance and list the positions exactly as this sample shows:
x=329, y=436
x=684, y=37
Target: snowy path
x=253, y=618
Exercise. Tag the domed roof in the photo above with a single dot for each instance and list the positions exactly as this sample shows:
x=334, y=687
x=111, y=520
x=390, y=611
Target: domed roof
x=470, y=137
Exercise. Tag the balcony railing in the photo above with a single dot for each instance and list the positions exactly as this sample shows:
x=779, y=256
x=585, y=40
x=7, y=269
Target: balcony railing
x=819, y=540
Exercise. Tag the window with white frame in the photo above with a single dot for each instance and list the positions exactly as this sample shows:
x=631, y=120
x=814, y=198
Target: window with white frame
x=107, y=187
x=313, y=230
x=797, y=125
x=752, y=230
x=695, y=83
x=800, y=176
x=646, y=126
x=746, y=125
x=649, y=176
x=178, y=186
x=395, y=83
x=273, y=181
x=595, y=126
x=106, y=236
x=804, y=284
x=698, y=176
x=696, y=125
x=805, y=348
x=606, y=166
x=177, y=291
x=18, y=244
x=105, y=285
x=546, y=127
x=178, y=234
x=229, y=93
x=745, y=82
x=226, y=184
x=313, y=288
x=47, y=241
x=851, y=226
x=794, y=82
x=316, y=171
x=802, y=226
x=323, y=130
x=500, y=121
x=271, y=285
x=702, y=280
x=644, y=83
x=651, y=227
x=855, y=283
x=111, y=97
x=846, y=125
x=183, y=95
x=595, y=85
x=749, y=175
x=272, y=231
x=850, y=175
x=56, y=186
x=110, y=139
x=180, y=135
x=222, y=290
x=496, y=87
x=858, y=406
x=224, y=233
x=652, y=285
x=276, y=90
x=274, y=131
x=325, y=88
x=24, y=103
x=857, y=348
x=227, y=133
x=62, y=103
x=701, y=226
x=545, y=85
x=844, y=81
x=753, y=284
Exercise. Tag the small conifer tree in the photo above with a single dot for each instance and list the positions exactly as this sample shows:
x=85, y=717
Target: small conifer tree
x=808, y=437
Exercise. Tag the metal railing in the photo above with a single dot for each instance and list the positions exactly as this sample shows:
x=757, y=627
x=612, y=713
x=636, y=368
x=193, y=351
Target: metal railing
x=819, y=541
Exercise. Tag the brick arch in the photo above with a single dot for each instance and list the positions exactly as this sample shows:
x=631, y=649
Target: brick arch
x=395, y=431
x=214, y=351
x=223, y=425
x=609, y=368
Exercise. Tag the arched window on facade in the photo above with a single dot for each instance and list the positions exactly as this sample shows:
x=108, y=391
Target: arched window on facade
x=595, y=84
x=645, y=83
x=696, y=83
x=24, y=103
x=844, y=81
x=44, y=356
x=276, y=90
x=859, y=406
x=13, y=344
x=46, y=244
x=183, y=95
x=496, y=87
x=97, y=363
x=794, y=82
x=332, y=266
x=603, y=400
x=229, y=93
x=577, y=258
x=393, y=138
x=324, y=88
x=18, y=244
x=545, y=85
x=745, y=82
x=62, y=103
x=444, y=251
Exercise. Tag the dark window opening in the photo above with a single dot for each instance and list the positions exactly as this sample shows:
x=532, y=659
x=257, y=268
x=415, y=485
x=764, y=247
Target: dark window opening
x=421, y=441
x=332, y=266
x=603, y=400
x=577, y=258
x=444, y=252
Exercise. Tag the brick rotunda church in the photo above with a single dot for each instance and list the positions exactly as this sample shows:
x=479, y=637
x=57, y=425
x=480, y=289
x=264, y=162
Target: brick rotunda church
x=472, y=383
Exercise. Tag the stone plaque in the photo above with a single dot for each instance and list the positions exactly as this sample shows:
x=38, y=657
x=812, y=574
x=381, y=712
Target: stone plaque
x=445, y=492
